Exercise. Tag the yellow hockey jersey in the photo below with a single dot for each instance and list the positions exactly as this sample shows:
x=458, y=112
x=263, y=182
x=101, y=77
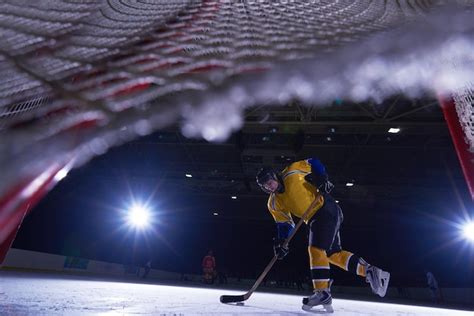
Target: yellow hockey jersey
x=297, y=197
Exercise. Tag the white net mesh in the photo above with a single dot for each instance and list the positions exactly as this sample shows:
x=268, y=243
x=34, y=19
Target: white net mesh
x=77, y=77
x=464, y=101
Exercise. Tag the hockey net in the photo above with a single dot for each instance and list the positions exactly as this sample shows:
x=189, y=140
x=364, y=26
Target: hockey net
x=77, y=77
x=465, y=109
x=459, y=114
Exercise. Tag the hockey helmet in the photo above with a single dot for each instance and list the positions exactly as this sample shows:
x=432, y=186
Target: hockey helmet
x=265, y=174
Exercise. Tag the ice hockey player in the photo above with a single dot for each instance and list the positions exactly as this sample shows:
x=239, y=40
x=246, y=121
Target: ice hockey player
x=208, y=268
x=291, y=193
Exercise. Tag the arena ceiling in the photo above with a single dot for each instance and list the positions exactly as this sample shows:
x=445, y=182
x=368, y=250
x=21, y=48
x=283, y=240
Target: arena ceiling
x=352, y=139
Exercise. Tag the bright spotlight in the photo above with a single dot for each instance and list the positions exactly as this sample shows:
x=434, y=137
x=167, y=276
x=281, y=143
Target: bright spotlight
x=139, y=216
x=468, y=231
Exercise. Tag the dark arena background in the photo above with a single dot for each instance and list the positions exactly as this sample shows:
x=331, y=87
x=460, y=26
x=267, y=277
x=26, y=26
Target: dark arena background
x=169, y=109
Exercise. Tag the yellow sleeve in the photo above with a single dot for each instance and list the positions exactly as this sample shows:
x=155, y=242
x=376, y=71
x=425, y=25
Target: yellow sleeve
x=278, y=213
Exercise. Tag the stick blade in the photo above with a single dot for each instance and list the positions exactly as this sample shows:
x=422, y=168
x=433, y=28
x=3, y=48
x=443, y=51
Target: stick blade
x=232, y=298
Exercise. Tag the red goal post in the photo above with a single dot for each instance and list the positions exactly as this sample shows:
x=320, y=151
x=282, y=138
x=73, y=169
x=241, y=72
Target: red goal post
x=458, y=112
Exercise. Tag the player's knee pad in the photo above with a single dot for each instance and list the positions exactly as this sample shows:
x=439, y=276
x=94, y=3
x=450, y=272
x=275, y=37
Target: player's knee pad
x=342, y=259
x=348, y=261
x=333, y=251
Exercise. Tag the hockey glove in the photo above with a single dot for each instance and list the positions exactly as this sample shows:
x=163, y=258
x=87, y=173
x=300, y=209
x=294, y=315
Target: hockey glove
x=320, y=181
x=278, y=248
x=319, y=176
x=327, y=186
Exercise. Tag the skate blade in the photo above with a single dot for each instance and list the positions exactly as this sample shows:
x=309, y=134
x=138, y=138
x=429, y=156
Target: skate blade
x=318, y=309
x=385, y=276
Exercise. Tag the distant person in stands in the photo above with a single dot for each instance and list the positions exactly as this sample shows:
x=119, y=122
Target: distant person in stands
x=222, y=275
x=434, y=288
x=208, y=268
x=147, y=269
x=298, y=279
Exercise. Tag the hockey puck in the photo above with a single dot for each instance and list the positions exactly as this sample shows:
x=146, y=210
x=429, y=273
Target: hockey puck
x=239, y=303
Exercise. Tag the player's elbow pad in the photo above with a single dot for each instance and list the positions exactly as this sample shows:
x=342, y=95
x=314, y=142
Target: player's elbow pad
x=317, y=167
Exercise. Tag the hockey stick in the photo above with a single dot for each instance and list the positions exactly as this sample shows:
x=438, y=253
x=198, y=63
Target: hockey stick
x=243, y=297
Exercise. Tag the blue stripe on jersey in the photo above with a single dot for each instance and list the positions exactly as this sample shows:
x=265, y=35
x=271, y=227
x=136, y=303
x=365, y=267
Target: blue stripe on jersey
x=284, y=230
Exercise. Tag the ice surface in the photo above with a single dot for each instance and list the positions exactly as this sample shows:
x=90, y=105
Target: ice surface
x=49, y=294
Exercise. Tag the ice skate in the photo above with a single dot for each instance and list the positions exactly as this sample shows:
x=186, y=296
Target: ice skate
x=378, y=280
x=320, y=297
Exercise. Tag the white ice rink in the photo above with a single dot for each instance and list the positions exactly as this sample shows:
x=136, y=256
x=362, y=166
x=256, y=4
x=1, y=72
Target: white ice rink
x=48, y=294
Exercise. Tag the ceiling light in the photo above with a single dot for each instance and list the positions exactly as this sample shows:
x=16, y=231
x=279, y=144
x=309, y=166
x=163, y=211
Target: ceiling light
x=215, y=214
x=394, y=130
x=233, y=197
x=188, y=175
x=349, y=184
